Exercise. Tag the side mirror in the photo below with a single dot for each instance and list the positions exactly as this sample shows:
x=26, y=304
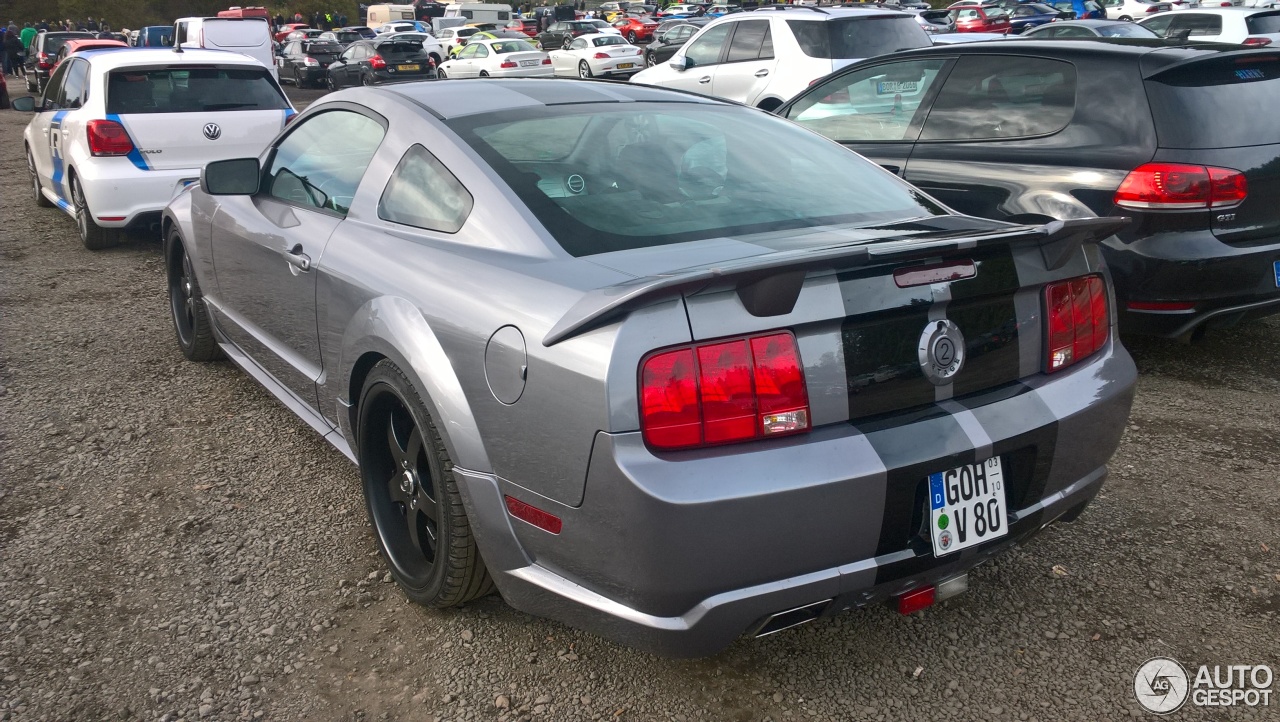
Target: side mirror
x=26, y=104
x=234, y=177
x=681, y=63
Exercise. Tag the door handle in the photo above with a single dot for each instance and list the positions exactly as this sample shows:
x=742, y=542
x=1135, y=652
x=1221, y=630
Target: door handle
x=762, y=72
x=298, y=259
x=704, y=79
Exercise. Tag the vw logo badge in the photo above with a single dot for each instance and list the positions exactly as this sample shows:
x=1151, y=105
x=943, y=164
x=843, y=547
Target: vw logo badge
x=212, y=131
x=941, y=351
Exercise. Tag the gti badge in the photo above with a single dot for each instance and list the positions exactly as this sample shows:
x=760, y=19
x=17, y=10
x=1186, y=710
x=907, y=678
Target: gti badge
x=212, y=131
x=941, y=351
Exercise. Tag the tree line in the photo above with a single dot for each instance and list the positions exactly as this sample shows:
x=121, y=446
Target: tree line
x=139, y=13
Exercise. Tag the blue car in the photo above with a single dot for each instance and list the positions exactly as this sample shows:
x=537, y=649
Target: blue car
x=1030, y=15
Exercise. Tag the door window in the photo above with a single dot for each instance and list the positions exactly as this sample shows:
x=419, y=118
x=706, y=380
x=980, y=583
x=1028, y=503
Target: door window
x=578, y=44
x=481, y=51
x=53, y=91
x=75, y=90
x=873, y=104
x=706, y=49
x=996, y=96
x=747, y=38
x=1198, y=24
x=423, y=193
x=310, y=169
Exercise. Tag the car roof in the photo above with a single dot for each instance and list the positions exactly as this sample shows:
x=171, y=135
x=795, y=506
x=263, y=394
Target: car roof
x=113, y=58
x=811, y=12
x=1090, y=23
x=1236, y=10
x=463, y=97
x=1155, y=53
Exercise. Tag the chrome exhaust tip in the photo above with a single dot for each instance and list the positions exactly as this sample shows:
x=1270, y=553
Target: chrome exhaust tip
x=790, y=618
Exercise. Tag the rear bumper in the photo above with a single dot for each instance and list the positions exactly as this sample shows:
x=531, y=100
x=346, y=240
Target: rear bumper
x=1227, y=284
x=680, y=554
x=115, y=188
x=533, y=71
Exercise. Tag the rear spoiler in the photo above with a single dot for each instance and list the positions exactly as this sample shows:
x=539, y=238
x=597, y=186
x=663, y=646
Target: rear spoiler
x=769, y=285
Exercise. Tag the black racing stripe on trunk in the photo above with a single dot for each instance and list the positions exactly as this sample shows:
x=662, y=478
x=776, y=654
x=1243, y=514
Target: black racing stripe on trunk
x=984, y=309
x=882, y=365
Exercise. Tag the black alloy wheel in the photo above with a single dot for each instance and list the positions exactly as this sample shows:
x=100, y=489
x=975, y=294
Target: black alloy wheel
x=412, y=497
x=297, y=79
x=190, y=316
x=366, y=80
x=41, y=201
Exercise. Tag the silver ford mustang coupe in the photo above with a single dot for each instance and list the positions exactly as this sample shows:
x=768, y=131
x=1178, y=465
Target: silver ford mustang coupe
x=661, y=367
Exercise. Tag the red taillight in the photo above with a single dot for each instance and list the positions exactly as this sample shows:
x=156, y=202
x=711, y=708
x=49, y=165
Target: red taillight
x=1254, y=42
x=1174, y=186
x=1077, y=323
x=723, y=392
x=509, y=64
x=108, y=138
x=377, y=63
x=1154, y=9
x=544, y=520
x=601, y=56
x=42, y=61
x=546, y=61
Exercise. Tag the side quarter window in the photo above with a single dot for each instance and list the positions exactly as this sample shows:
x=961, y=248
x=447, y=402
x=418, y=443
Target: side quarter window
x=423, y=193
x=998, y=96
x=309, y=169
x=75, y=89
x=879, y=103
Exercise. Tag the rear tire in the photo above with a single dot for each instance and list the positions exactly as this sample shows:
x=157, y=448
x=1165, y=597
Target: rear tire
x=41, y=201
x=366, y=81
x=411, y=496
x=191, y=322
x=650, y=59
x=93, y=236
x=631, y=37
x=484, y=73
x=584, y=70
x=297, y=79
x=1126, y=18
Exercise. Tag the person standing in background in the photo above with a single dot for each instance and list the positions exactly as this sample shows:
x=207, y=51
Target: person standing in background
x=28, y=34
x=6, y=67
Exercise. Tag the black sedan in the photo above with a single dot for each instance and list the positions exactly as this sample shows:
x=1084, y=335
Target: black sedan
x=305, y=62
x=1040, y=130
x=560, y=34
x=667, y=42
x=1083, y=29
x=381, y=60
x=1031, y=15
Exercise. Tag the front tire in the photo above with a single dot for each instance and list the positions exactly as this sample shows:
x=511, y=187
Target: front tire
x=411, y=496
x=584, y=70
x=1126, y=18
x=191, y=322
x=650, y=60
x=93, y=236
x=329, y=82
x=41, y=201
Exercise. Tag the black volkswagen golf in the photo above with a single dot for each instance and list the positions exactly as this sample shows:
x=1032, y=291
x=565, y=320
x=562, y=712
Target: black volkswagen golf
x=1182, y=139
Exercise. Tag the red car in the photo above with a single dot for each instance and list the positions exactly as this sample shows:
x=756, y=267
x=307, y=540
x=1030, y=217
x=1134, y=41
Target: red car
x=528, y=26
x=288, y=28
x=636, y=29
x=976, y=18
x=72, y=46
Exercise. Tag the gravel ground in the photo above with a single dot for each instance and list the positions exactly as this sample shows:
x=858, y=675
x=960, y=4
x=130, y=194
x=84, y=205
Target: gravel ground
x=174, y=544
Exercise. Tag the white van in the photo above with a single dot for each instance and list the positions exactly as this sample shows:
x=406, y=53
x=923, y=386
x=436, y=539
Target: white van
x=383, y=14
x=249, y=36
x=479, y=12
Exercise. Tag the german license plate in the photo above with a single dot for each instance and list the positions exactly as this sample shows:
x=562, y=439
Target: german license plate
x=1276, y=267
x=624, y=66
x=408, y=68
x=527, y=63
x=967, y=506
x=885, y=87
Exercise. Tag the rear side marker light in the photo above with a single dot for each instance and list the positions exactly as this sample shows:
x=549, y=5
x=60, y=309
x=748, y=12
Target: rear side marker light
x=1161, y=306
x=111, y=218
x=1077, y=321
x=544, y=520
x=107, y=138
x=1175, y=186
x=546, y=61
x=723, y=392
x=915, y=600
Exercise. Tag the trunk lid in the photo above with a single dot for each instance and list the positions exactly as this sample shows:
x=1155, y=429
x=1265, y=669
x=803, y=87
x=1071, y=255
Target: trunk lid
x=185, y=116
x=1206, y=113
x=859, y=321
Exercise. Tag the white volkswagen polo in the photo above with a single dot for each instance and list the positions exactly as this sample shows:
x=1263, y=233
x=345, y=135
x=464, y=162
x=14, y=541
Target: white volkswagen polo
x=119, y=133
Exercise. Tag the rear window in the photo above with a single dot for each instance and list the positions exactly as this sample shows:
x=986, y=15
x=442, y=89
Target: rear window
x=348, y=37
x=235, y=33
x=323, y=48
x=1263, y=24
x=858, y=37
x=1125, y=30
x=53, y=44
x=192, y=90
x=1217, y=103
x=512, y=46
x=400, y=47
x=605, y=178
